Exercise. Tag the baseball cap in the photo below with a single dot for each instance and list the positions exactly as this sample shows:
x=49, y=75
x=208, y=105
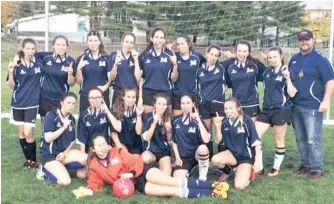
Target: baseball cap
x=305, y=35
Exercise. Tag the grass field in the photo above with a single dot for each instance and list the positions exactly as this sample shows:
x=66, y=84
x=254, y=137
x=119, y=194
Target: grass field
x=20, y=185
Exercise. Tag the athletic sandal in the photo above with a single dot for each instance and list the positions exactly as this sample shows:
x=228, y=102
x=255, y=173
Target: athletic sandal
x=273, y=172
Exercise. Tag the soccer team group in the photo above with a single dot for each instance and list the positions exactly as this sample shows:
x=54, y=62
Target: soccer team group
x=167, y=102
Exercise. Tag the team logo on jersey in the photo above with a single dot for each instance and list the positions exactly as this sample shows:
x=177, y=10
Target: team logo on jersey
x=178, y=61
x=37, y=70
x=226, y=128
x=268, y=75
x=49, y=63
x=163, y=59
x=22, y=72
x=134, y=120
x=234, y=71
x=33, y=121
x=216, y=71
x=177, y=126
x=70, y=128
x=148, y=61
x=192, y=130
x=102, y=64
x=114, y=161
x=131, y=64
x=193, y=62
x=63, y=68
x=241, y=130
x=279, y=78
x=201, y=74
x=294, y=62
x=166, y=143
x=88, y=124
x=59, y=125
x=250, y=70
x=103, y=120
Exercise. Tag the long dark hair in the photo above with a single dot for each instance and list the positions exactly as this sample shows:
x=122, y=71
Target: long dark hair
x=279, y=50
x=66, y=95
x=91, y=154
x=250, y=60
x=101, y=46
x=119, y=107
x=152, y=33
x=189, y=42
x=166, y=116
x=20, y=53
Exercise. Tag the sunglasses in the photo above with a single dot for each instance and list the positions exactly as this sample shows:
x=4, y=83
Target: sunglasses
x=93, y=33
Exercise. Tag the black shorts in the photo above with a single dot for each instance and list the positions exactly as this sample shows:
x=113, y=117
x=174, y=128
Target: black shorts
x=187, y=164
x=140, y=181
x=252, y=111
x=275, y=116
x=47, y=158
x=46, y=105
x=176, y=102
x=160, y=155
x=116, y=92
x=208, y=110
x=135, y=150
x=24, y=116
x=243, y=160
x=84, y=103
x=148, y=96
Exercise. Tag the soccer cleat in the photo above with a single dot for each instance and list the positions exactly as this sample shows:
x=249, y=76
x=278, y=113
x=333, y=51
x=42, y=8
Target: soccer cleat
x=40, y=175
x=273, y=172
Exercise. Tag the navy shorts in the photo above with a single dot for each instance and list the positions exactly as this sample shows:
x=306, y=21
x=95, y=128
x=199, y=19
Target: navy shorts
x=140, y=181
x=24, y=116
x=187, y=164
x=275, y=117
x=46, y=105
x=208, y=110
x=252, y=111
x=148, y=96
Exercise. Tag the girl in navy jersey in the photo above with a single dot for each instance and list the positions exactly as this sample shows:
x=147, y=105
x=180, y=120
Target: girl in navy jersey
x=189, y=138
x=238, y=132
x=188, y=61
x=159, y=68
x=57, y=141
x=24, y=74
x=58, y=75
x=130, y=116
x=278, y=89
x=96, y=119
x=93, y=68
x=125, y=72
x=243, y=75
x=157, y=134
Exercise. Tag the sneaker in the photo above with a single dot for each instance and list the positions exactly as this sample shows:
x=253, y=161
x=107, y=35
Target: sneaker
x=315, y=175
x=40, y=175
x=302, y=170
x=273, y=172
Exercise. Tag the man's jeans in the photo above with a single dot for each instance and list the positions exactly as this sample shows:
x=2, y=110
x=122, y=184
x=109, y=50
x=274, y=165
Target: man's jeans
x=308, y=130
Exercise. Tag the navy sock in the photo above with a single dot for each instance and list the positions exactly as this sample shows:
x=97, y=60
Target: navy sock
x=195, y=193
x=23, y=143
x=198, y=184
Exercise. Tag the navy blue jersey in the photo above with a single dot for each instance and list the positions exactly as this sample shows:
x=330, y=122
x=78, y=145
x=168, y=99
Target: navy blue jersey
x=95, y=73
x=27, y=88
x=275, y=90
x=128, y=135
x=186, y=136
x=156, y=70
x=211, y=83
x=158, y=142
x=244, y=83
x=187, y=74
x=54, y=79
x=125, y=72
x=312, y=72
x=240, y=139
x=91, y=124
x=53, y=121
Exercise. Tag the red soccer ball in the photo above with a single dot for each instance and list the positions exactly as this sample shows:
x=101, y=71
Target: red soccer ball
x=123, y=188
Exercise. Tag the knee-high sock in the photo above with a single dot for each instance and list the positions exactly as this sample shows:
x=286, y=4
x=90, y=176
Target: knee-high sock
x=23, y=143
x=31, y=150
x=203, y=166
x=195, y=193
x=279, y=156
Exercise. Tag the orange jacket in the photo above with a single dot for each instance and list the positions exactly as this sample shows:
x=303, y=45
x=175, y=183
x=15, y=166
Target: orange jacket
x=119, y=162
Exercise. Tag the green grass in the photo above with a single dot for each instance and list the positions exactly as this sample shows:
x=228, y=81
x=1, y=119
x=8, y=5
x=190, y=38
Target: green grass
x=20, y=185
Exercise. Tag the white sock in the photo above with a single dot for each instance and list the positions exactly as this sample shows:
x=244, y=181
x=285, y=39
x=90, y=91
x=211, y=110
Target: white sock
x=203, y=166
x=260, y=158
x=279, y=156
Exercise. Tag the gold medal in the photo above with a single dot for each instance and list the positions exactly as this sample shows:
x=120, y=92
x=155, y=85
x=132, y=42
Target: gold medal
x=301, y=74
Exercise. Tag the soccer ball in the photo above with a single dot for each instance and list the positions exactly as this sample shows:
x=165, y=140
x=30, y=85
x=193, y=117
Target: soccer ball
x=123, y=188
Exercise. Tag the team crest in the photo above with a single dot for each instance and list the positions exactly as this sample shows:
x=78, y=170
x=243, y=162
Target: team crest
x=240, y=130
x=177, y=126
x=103, y=120
x=63, y=68
x=70, y=128
x=37, y=70
x=163, y=59
x=102, y=64
x=22, y=72
x=192, y=130
x=226, y=128
x=49, y=63
x=294, y=62
x=88, y=124
x=193, y=62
